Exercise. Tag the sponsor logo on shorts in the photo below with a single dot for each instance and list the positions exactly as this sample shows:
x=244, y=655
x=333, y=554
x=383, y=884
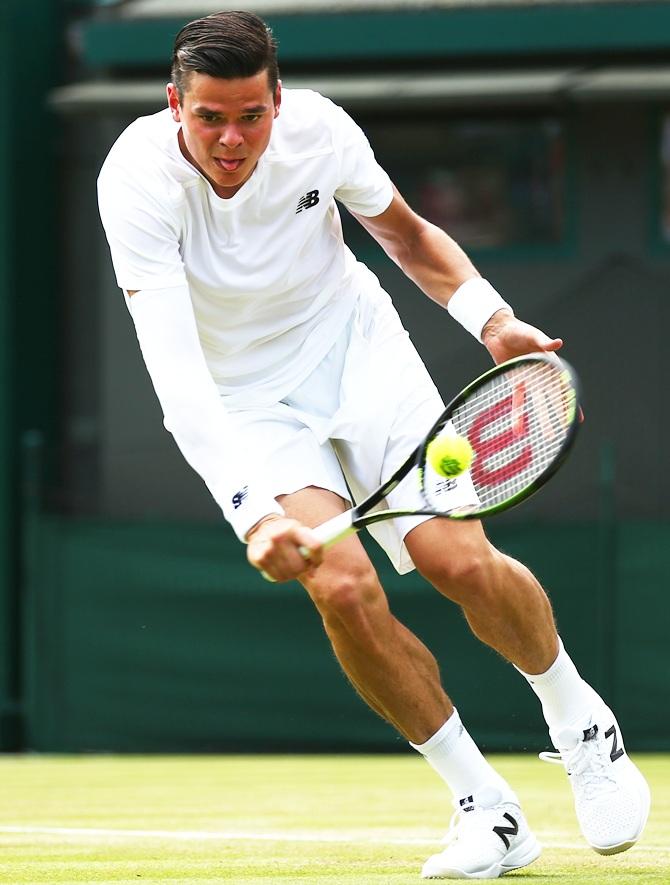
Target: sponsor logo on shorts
x=444, y=486
x=239, y=497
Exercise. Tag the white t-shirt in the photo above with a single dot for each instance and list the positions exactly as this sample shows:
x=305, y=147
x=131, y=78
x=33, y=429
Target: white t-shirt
x=271, y=280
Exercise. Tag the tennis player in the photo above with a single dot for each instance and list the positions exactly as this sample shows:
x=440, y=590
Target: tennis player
x=291, y=387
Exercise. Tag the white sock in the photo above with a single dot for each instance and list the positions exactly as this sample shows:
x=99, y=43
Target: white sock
x=458, y=760
x=566, y=699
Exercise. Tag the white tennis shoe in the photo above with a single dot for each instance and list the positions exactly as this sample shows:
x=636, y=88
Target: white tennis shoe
x=611, y=795
x=484, y=841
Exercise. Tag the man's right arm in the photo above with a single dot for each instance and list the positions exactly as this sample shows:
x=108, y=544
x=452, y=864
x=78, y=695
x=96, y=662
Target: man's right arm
x=192, y=407
x=142, y=228
x=142, y=223
x=196, y=418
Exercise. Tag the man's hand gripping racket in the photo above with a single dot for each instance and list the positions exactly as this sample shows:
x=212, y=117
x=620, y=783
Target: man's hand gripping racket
x=520, y=419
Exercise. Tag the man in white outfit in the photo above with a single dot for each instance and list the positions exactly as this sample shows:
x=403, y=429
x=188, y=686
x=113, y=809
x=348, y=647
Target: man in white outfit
x=290, y=386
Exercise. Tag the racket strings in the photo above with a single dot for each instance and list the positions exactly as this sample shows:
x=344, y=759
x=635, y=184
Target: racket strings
x=517, y=424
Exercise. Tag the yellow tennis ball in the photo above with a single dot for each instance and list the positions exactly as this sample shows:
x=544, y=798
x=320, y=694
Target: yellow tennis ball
x=449, y=455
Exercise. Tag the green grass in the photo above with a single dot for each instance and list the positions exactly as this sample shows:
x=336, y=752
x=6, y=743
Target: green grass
x=351, y=820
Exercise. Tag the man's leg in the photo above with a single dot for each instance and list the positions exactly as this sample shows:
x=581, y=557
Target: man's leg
x=507, y=609
x=390, y=668
x=398, y=677
x=503, y=602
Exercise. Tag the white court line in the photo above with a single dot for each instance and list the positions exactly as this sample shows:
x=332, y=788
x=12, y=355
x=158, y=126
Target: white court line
x=236, y=836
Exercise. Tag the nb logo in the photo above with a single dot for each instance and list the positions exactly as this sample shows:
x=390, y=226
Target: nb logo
x=617, y=751
x=444, y=485
x=504, y=832
x=238, y=497
x=310, y=199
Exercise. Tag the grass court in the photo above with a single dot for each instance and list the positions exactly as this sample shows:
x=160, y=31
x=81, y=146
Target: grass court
x=338, y=820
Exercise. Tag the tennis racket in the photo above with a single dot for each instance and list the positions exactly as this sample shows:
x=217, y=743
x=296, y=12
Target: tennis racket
x=520, y=419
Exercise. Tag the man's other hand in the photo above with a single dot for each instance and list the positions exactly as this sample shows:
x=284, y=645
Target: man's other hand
x=505, y=337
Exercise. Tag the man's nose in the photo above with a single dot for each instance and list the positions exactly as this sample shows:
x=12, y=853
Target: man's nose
x=231, y=137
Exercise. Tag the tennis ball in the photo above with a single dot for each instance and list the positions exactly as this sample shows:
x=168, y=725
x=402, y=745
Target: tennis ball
x=449, y=455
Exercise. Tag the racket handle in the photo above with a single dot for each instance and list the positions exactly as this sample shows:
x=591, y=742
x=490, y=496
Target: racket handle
x=333, y=530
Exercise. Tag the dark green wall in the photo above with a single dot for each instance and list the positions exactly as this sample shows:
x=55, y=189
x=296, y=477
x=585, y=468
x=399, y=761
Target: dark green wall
x=29, y=286
x=8, y=682
x=147, y=637
x=405, y=34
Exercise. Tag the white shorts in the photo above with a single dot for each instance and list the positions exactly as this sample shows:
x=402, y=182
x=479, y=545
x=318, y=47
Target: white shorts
x=354, y=421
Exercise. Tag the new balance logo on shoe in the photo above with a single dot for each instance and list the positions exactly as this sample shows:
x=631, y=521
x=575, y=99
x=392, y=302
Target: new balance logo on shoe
x=504, y=832
x=310, y=199
x=616, y=752
x=473, y=842
x=611, y=801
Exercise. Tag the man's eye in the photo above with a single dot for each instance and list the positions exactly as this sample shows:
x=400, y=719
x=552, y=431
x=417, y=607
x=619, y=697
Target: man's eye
x=208, y=118
x=251, y=118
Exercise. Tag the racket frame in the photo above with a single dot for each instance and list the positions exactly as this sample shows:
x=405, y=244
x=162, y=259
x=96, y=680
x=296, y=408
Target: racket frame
x=363, y=515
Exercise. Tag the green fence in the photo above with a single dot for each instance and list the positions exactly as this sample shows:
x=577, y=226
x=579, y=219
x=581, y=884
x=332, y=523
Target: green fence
x=30, y=39
x=148, y=637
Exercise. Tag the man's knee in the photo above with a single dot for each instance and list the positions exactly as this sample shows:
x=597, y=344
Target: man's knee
x=464, y=573
x=456, y=558
x=345, y=594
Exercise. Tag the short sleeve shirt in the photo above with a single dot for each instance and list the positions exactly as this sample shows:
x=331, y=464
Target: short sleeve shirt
x=271, y=281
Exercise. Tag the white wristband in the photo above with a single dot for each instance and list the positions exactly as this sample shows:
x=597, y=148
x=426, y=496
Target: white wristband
x=474, y=303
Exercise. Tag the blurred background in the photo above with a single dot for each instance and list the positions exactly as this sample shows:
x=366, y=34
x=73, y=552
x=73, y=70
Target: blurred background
x=538, y=135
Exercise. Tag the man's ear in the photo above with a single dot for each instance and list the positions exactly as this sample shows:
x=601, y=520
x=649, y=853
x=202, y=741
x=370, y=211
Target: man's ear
x=173, y=102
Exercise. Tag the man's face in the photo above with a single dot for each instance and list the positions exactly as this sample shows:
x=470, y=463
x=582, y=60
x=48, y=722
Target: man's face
x=225, y=125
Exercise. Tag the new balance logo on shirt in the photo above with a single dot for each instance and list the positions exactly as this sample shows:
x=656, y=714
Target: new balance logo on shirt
x=310, y=199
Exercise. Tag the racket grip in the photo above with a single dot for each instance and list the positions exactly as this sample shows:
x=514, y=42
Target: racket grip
x=332, y=531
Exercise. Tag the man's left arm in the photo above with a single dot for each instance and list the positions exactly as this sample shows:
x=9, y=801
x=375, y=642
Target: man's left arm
x=441, y=269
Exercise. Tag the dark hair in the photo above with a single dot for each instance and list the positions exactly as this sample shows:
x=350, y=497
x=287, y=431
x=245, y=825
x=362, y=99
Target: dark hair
x=227, y=45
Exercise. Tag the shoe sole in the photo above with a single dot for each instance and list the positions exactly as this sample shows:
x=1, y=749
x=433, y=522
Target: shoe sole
x=522, y=856
x=614, y=849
